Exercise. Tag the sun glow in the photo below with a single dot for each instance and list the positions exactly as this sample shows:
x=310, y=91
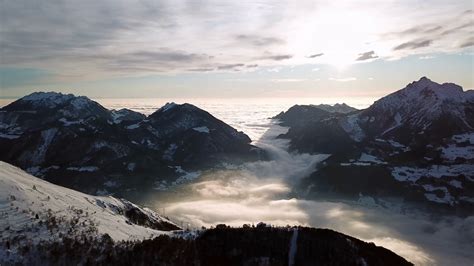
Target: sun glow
x=340, y=33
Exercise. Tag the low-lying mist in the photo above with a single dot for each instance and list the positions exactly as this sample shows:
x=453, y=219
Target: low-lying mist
x=259, y=191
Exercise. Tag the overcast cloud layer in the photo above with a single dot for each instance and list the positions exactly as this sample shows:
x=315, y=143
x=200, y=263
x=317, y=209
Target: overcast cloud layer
x=81, y=37
x=72, y=42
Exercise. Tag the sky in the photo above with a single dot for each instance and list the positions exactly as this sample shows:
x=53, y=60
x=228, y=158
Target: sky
x=229, y=49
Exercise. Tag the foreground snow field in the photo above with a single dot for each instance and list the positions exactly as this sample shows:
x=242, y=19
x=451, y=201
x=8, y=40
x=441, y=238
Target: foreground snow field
x=33, y=210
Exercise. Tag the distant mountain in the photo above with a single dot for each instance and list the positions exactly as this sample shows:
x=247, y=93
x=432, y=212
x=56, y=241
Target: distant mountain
x=304, y=114
x=45, y=224
x=53, y=135
x=416, y=143
x=336, y=108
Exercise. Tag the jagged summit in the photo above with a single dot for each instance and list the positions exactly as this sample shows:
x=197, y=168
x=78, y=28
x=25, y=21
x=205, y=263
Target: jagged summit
x=167, y=107
x=336, y=108
x=57, y=105
x=427, y=90
x=54, y=99
x=50, y=96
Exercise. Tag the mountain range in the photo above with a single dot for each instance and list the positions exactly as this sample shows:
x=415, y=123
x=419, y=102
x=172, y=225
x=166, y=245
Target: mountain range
x=416, y=144
x=53, y=135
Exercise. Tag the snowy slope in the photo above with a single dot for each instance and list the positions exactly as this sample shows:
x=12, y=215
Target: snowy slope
x=422, y=107
x=32, y=210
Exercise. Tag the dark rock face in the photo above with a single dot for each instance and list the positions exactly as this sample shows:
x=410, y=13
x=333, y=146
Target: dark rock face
x=229, y=246
x=54, y=136
x=418, y=141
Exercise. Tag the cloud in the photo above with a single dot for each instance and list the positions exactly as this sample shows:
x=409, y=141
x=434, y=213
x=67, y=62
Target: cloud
x=467, y=43
x=162, y=56
x=259, y=41
x=160, y=60
x=413, y=45
x=276, y=57
x=106, y=39
x=287, y=80
x=456, y=29
x=366, y=56
x=274, y=69
x=426, y=57
x=316, y=69
x=420, y=29
x=343, y=79
x=230, y=66
x=202, y=69
x=315, y=55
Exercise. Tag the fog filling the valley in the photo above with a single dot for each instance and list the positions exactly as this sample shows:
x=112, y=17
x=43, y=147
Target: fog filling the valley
x=261, y=191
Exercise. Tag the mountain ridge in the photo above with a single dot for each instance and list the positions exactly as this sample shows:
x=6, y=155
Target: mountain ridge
x=415, y=143
x=54, y=135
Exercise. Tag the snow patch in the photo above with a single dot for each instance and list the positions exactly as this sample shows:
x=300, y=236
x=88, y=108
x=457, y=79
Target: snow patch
x=398, y=122
x=411, y=174
x=202, y=129
x=69, y=123
x=48, y=99
x=398, y=145
x=293, y=247
x=351, y=126
x=47, y=137
x=455, y=183
x=131, y=166
x=134, y=126
x=83, y=168
x=468, y=137
x=9, y=136
x=169, y=153
x=364, y=157
x=452, y=152
x=167, y=107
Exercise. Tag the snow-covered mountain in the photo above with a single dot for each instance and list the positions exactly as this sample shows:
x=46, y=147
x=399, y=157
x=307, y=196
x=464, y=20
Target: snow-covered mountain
x=416, y=143
x=53, y=135
x=423, y=109
x=33, y=211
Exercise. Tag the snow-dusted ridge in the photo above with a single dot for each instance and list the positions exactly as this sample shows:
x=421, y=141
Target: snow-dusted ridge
x=421, y=107
x=44, y=128
x=34, y=210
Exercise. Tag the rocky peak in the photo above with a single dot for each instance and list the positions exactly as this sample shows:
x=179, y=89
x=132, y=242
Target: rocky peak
x=59, y=104
x=424, y=88
x=47, y=99
x=422, y=106
x=336, y=108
